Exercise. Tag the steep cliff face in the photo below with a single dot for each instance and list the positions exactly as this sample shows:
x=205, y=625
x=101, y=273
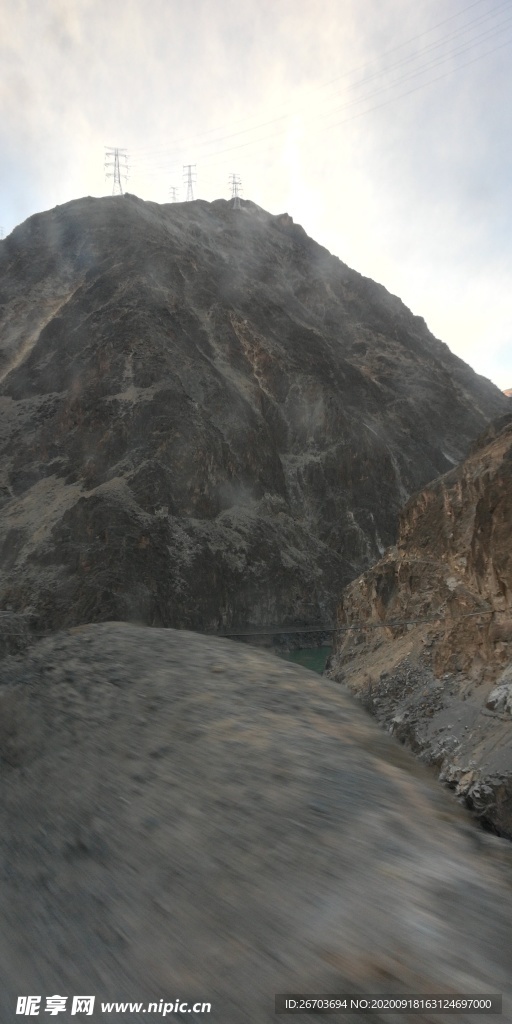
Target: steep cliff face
x=442, y=679
x=206, y=420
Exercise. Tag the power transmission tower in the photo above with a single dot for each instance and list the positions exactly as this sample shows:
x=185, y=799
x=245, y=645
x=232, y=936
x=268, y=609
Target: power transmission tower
x=120, y=168
x=173, y=192
x=1, y=232
x=235, y=183
x=189, y=175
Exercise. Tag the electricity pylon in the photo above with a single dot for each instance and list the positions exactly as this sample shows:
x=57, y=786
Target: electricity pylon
x=235, y=183
x=173, y=192
x=120, y=168
x=189, y=175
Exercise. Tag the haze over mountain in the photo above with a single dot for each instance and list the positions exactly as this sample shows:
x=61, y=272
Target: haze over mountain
x=206, y=419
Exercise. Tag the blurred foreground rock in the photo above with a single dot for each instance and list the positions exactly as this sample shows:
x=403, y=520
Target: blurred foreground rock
x=187, y=817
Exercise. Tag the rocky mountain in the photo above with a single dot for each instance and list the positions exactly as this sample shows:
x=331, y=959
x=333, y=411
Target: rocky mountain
x=206, y=420
x=441, y=679
x=184, y=818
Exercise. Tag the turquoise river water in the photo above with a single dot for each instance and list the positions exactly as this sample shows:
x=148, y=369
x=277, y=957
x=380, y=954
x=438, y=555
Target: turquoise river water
x=313, y=658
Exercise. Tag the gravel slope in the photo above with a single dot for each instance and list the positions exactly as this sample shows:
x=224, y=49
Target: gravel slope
x=188, y=817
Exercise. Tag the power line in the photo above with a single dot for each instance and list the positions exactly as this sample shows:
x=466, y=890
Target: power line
x=409, y=92
x=363, y=113
x=361, y=626
x=430, y=65
x=413, y=39
x=159, y=150
x=209, y=159
x=266, y=631
x=437, y=45
x=421, y=69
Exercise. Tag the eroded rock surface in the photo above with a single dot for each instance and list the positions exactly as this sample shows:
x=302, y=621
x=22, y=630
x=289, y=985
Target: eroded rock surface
x=186, y=817
x=206, y=420
x=442, y=680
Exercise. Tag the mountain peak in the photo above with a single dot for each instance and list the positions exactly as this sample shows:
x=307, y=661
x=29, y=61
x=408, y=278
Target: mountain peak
x=208, y=421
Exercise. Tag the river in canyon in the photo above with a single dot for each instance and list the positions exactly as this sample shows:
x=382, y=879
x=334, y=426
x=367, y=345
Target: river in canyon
x=314, y=658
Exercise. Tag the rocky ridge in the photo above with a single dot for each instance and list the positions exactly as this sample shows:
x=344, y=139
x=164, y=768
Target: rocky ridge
x=434, y=661
x=206, y=420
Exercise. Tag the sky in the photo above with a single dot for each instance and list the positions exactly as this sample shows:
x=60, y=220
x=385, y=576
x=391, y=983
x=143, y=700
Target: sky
x=384, y=127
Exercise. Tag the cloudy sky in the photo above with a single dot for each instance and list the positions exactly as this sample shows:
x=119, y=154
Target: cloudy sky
x=384, y=127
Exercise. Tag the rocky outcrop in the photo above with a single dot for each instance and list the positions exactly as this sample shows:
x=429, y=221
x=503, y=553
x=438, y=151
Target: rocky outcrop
x=433, y=659
x=206, y=420
x=185, y=818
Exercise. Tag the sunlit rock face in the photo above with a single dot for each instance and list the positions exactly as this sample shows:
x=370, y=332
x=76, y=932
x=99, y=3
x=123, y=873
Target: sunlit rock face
x=183, y=817
x=441, y=680
x=206, y=420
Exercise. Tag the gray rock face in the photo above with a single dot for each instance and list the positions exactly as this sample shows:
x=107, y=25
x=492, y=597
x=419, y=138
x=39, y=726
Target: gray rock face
x=188, y=818
x=206, y=420
x=434, y=662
